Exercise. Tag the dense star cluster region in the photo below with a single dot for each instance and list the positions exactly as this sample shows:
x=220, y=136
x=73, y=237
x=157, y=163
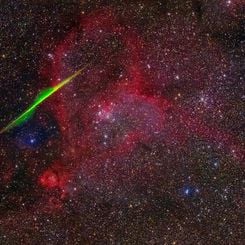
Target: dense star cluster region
x=145, y=145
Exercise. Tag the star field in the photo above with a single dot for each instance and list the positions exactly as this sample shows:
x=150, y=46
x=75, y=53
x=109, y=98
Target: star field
x=146, y=145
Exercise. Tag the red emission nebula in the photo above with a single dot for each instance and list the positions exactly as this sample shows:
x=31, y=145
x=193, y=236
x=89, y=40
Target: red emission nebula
x=111, y=115
x=144, y=143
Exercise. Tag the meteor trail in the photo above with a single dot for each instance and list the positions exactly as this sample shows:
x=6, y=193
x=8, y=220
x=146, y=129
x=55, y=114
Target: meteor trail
x=42, y=96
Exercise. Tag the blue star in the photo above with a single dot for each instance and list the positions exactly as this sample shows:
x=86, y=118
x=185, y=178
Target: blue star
x=215, y=163
x=32, y=135
x=190, y=191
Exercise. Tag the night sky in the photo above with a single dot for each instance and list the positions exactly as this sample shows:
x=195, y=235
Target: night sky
x=146, y=145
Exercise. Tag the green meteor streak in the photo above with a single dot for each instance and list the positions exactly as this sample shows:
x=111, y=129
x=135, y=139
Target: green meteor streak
x=42, y=96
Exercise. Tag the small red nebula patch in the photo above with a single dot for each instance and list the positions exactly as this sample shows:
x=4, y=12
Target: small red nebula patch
x=49, y=179
x=54, y=177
